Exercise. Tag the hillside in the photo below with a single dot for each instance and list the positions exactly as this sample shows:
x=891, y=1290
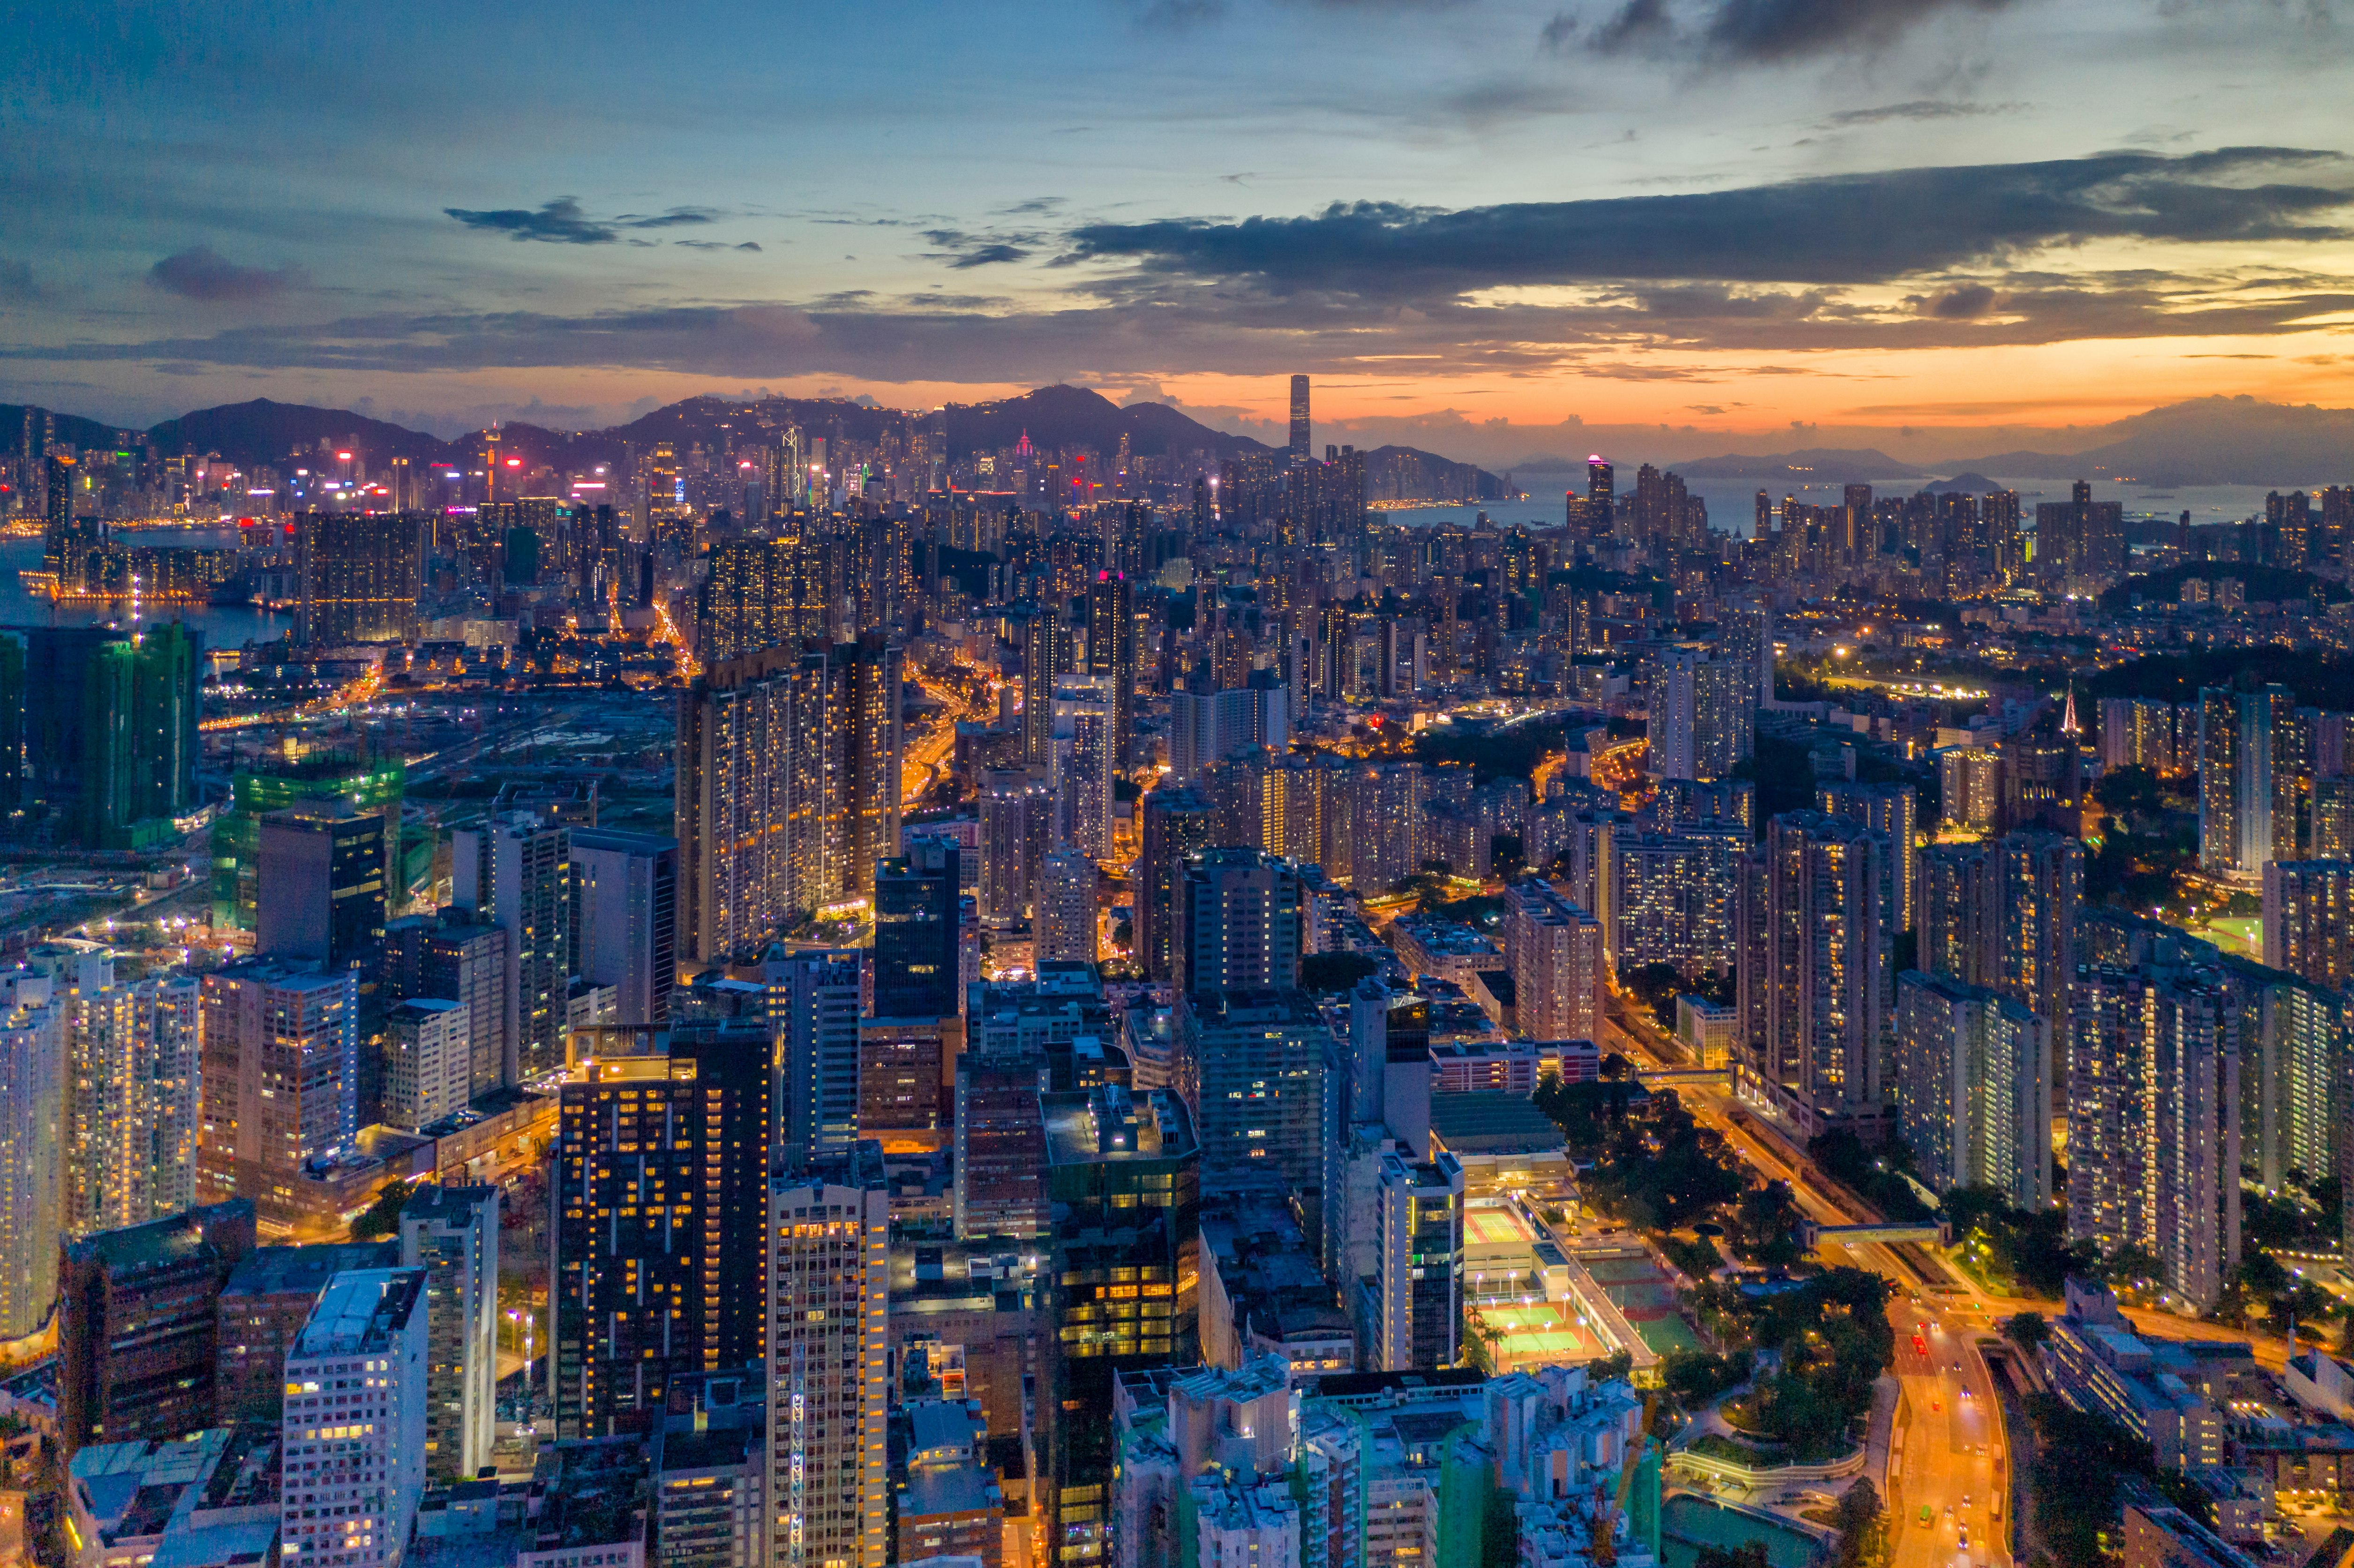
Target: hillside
x=71, y=427
x=263, y=431
x=2208, y=440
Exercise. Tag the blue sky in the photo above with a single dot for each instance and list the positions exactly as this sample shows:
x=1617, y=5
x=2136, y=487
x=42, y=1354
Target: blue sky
x=1853, y=214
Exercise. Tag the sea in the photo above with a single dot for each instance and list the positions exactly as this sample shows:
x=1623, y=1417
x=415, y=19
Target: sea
x=220, y=626
x=1733, y=503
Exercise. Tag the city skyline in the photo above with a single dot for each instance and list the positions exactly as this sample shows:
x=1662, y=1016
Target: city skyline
x=1733, y=217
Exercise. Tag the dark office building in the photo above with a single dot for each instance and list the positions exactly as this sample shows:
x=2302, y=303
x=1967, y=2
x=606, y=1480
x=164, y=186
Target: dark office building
x=659, y=1207
x=915, y=931
x=322, y=892
x=1111, y=654
x=263, y=1306
x=138, y=1325
x=359, y=577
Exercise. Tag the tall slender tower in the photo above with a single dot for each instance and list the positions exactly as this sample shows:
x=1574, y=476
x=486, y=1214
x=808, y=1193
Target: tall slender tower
x=1300, y=447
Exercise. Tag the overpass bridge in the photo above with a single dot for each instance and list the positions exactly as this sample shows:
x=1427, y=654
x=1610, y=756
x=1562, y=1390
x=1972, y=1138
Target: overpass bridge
x=1814, y=1235
x=1707, y=1077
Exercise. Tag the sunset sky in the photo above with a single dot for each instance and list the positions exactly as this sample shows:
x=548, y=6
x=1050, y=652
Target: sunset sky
x=1486, y=226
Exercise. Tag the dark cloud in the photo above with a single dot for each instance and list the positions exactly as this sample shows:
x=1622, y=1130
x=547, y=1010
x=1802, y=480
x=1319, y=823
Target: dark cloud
x=1835, y=229
x=201, y=273
x=961, y=250
x=562, y=221
x=749, y=245
x=1915, y=109
x=1962, y=302
x=1750, y=32
x=984, y=255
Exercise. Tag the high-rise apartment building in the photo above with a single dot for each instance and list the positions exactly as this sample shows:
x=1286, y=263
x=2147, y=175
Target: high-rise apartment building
x=752, y=600
x=1890, y=811
x=1554, y=950
x=661, y=1173
x=828, y=1252
x=279, y=1085
x=2308, y=920
x=359, y=577
x=1255, y=1062
x=1017, y=808
x=916, y=929
x=1065, y=929
x=1675, y=900
x=2040, y=889
x=1045, y=659
x=1971, y=1072
x=788, y=789
x=1825, y=981
x=1702, y=713
x=137, y=1325
x=2154, y=1123
x=626, y=928
x=354, y=1428
x=515, y=871
x=1177, y=824
x=812, y=1006
x=322, y=890
x=428, y=1065
x=1420, y=1284
x=33, y=1112
x=1958, y=895
x=2248, y=776
x=451, y=1233
x=1084, y=765
x=1238, y=916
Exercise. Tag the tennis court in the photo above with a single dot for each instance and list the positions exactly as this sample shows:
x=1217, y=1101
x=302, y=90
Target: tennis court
x=1539, y=1335
x=1496, y=1227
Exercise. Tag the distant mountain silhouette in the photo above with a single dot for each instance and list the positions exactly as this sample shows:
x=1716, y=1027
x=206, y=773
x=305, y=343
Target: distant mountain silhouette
x=2208, y=440
x=68, y=428
x=1973, y=484
x=263, y=431
x=1816, y=465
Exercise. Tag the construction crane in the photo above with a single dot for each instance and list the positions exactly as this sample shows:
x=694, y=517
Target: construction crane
x=1605, y=1517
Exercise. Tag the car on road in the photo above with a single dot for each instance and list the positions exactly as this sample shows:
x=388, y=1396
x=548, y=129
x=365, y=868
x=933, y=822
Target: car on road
x=1926, y=1517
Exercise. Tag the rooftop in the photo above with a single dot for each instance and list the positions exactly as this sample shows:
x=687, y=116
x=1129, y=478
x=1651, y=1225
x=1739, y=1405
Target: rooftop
x=284, y=1270
x=359, y=1312
x=1492, y=1122
x=1109, y=1123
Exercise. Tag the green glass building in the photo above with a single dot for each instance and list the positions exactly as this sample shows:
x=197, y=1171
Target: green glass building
x=98, y=732
x=257, y=791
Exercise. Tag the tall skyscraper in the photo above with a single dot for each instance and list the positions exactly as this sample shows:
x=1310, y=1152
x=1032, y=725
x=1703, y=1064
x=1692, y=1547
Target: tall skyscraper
x=2308, y=920
x=916, y=933
x=813, y=1004
x=1825, y=982
x=870, y=692
x=98, y=731
x=1177, y=823
x=1972, y=1077
x=751, y=602
x=1300, y=431
x=259, y=789
x=322, y=890
x=1702, y=712
x=353, y=1440
x=1600, y=499
x=1554, y=950
x=626, y=928
x=1111, y=656
x=1255, y=1062
x=280, y=1082
x=451, y=1233
x=828, y=1252
x=1124, y=1180
x=515, y=871
x=359, y=577
x=1238, y=913
x=428, y=1061
x=2154, y=1123
x=1421, y=1254
x=661, y=1173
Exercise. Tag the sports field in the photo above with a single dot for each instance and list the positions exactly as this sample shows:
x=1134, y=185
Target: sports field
x=1495, y=1227
x=1538, y=1335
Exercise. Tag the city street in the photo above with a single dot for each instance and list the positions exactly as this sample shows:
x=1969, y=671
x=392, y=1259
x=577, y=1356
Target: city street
x=1948, y=1454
